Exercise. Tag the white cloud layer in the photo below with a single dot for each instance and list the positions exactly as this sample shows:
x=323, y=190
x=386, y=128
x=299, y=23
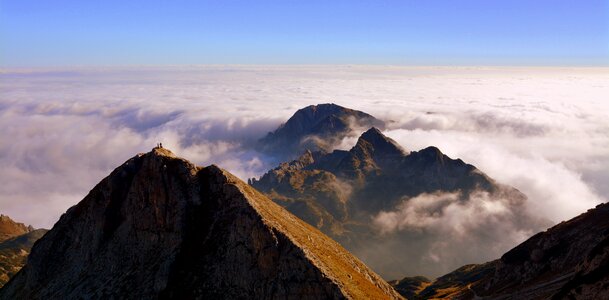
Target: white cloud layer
x=442, y=231
x=542, y=130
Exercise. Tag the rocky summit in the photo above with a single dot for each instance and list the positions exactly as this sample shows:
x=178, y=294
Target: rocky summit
x=160, y=227
x=316, y=128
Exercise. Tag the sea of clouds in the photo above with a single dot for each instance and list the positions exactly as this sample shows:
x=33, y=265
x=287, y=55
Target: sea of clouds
x=544, y=131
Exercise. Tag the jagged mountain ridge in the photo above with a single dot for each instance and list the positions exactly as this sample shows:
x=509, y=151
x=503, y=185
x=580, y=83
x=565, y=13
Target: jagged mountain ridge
x=375, y=162
x=160, y=227
x=317, y=128
x=339, y=192
x=10, y=228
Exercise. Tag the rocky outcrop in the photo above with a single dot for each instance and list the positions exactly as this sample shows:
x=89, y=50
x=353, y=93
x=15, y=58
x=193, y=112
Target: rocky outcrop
x=10, y=228
x=316, y=128
x=160, y=227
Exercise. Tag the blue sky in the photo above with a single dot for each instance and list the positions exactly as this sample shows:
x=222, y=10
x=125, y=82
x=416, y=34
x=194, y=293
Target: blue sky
x=514, y=32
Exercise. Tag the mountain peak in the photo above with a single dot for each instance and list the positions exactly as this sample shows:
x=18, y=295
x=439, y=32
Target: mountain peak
x=380, y=143
x=175, y=230
x=315, y=127
x=323, y=108
x=160, y=151
x=373, y=133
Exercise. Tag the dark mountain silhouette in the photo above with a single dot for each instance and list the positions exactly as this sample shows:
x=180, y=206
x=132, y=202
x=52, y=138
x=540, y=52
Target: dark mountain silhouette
x=340, y=193
x=316, y=128
x=160, y=227
x=567, y=261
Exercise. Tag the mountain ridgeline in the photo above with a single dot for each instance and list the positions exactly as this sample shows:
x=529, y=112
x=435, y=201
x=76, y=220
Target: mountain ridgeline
x=10, y=229
x=343, y=192
x=160, y=227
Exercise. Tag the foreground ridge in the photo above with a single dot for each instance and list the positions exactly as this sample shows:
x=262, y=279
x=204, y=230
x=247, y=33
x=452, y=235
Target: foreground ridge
x=160, y=227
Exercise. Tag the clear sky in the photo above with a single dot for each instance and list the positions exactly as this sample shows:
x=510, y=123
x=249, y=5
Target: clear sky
x=423, y=32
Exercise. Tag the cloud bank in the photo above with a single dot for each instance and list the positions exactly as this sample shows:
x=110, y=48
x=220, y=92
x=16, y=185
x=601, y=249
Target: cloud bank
x=446, y=230
x=541, y=130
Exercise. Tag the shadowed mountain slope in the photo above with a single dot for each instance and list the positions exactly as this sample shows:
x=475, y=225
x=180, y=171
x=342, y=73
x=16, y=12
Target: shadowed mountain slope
x=160, y=227
x=567, y=261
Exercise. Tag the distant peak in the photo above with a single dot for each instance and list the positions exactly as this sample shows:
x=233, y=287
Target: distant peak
x=324, y=106
x=381, y=143
x=9, y=228
x=316, y=127
x=324, y=109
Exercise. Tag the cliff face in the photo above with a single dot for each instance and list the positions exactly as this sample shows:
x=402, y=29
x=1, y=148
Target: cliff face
x=161, y=227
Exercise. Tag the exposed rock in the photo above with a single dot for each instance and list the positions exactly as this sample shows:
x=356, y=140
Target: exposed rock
x=160, y=227
x=10, y=228
x=317, y=128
